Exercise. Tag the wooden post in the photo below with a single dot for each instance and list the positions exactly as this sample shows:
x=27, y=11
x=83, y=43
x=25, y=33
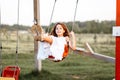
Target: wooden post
x=37, y=21
x=117, y=41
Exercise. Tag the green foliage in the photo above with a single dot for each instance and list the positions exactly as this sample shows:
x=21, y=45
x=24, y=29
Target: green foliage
x=96, y=26
x=14, y=27
x=93, y=26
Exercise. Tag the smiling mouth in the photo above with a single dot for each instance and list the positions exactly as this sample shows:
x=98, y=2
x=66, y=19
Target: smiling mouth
x=58, y=32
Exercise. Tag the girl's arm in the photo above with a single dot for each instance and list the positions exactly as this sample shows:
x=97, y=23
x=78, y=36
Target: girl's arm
x=72, y=41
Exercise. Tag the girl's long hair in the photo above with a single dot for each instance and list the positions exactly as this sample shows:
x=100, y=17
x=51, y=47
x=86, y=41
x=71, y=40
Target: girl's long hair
x=66, y=33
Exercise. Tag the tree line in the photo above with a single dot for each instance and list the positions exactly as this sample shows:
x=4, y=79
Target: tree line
x=93, y=26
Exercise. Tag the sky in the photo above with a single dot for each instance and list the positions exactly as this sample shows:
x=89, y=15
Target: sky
x=63, y=12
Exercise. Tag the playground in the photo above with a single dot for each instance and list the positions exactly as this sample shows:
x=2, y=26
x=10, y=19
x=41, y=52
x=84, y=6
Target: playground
x=93, y=59
x=74, y=67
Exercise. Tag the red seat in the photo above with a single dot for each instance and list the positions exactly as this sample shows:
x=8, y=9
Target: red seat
x=11, y=71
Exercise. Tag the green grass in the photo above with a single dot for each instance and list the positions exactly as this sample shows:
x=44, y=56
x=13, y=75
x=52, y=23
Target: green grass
x=74, y=67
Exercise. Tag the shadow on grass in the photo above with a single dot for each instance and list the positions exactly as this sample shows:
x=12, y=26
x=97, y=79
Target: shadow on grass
x=43, y=75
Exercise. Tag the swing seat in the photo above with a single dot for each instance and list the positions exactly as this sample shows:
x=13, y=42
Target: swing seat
x=11, y=72
x=6, y=78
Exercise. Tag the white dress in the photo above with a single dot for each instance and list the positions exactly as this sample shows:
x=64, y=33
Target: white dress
x=56, y=49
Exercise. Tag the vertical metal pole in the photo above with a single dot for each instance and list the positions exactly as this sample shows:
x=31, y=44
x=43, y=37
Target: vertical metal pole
x=37, y=21
x=118, y=41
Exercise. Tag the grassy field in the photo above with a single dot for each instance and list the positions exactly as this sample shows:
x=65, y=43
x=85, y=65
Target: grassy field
x=74, y=67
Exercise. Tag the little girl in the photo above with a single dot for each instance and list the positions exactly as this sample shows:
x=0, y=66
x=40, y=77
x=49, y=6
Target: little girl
x=56, y=45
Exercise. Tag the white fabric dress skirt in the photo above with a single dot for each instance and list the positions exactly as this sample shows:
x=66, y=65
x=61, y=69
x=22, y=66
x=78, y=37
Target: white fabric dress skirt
x=56, y=49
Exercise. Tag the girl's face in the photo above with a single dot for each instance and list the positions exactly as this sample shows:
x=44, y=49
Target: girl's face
x=59, y=30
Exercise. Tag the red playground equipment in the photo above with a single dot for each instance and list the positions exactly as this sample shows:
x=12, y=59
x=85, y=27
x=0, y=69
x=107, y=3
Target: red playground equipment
x=11, y=72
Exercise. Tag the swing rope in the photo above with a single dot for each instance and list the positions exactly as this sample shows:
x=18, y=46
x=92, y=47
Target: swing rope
x=75, y=14
x=15, y=70
x=0, y=44
x=51, y=15
x=17, y=41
